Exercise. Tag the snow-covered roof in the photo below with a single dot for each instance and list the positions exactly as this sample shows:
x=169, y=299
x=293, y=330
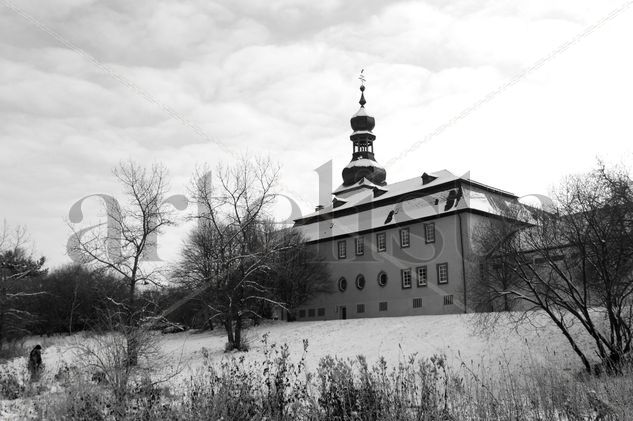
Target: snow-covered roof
x=363, y=162
x=371, y=207
x=343, y=192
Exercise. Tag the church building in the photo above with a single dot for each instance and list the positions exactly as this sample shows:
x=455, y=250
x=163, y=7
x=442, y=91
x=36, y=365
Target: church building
x=397, y=249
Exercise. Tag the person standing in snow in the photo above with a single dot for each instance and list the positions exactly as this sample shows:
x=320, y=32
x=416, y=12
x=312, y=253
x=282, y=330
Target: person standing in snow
x=35, y=363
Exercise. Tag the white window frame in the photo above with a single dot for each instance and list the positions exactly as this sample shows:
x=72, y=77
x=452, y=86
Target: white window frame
x=422, y=275
x=359, y=245
x=342, y=284
x=358, y=279
x=341, y=247
x=429, y=233
x=405, y=276
x=405, y=240
x=381, y=237
x=382, y=272
x=442, y=269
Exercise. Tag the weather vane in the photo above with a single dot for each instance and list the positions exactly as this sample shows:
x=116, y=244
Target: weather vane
x=362, y=77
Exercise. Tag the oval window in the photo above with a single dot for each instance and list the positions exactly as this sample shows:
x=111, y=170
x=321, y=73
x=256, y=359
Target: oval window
x=382, y=279
x=342, y=284
x=360, y=282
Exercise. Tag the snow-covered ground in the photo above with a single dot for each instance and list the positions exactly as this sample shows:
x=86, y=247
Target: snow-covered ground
x=391, y=338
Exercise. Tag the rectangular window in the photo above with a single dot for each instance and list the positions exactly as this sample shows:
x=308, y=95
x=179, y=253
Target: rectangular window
x=342, y=249
x=360, y=308
x=417, y=302
x=382, y=306
x=448, y=300
x=422, y=275
x=404, y=237
x=429, y=233
x=442, y=273
x=360, y=246
x=321, y=312
x=381, y=241
x=311, y=312
x=302, y=314
x=406, y=278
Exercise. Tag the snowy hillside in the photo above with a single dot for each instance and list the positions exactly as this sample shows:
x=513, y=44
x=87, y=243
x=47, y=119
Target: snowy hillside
x=513, y=352
x=390, y=338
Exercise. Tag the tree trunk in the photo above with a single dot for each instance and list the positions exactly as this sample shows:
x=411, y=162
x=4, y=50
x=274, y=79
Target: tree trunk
x=132, y=348
x=290, y=316
x=131, y=330
x=73, y=307
x=3, y=303
x=228, y=325
x=238, y=334
x=1, y=325
x=571, y=341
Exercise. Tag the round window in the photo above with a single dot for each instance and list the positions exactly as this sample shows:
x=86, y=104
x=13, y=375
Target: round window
x=382, y=279
x=360, y=282
x=342, y=284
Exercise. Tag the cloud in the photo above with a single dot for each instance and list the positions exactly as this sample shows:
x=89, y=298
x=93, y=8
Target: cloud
x=279, y=77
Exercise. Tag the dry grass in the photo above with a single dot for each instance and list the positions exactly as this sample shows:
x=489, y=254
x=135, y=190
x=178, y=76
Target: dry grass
x=279, y=387
x=281, y=382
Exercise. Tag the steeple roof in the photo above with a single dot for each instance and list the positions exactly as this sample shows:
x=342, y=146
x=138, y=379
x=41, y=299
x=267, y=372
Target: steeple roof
x=363, y=163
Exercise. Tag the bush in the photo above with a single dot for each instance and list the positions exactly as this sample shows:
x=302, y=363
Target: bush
x=13, y=349
x=84, y=401
x=12, y=382
x=278, y=388
x=275, y=388
x=415, y=389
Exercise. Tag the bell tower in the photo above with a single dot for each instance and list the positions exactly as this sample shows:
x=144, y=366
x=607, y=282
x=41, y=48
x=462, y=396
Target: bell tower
x=363, y=163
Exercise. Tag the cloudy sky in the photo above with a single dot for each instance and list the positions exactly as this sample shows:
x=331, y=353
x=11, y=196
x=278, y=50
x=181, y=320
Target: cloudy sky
x=518, y=93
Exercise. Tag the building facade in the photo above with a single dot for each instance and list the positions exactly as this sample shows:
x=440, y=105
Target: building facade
x=399, y=249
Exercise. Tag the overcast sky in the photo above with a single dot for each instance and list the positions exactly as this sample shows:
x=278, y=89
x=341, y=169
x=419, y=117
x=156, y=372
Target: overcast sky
x=85, y=84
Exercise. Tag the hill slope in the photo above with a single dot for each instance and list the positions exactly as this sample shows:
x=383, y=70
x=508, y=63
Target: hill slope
x=393, y=338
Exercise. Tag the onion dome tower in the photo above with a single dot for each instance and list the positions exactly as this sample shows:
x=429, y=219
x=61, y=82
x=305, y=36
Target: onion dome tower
x=363, y=164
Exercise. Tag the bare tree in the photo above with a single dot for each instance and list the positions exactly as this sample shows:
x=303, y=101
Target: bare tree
x=16, y=265
x=75, y=296
x=298, y=272
x=131, y=236
x=105, y=356
x=74, y=305
x=574, y=263
x=497, y=238
x=228, y=256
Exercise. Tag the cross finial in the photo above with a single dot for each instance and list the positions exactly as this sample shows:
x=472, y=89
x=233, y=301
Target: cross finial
x=362, y=101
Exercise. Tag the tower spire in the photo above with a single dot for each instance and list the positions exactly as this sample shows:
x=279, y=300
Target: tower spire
x=362, y=101
x=363, y=164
